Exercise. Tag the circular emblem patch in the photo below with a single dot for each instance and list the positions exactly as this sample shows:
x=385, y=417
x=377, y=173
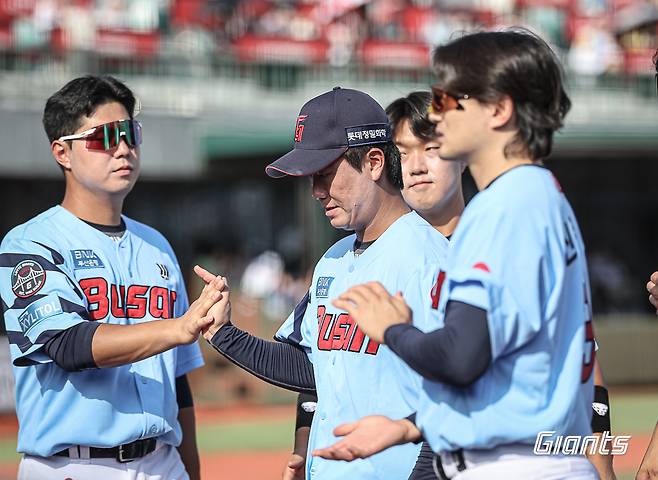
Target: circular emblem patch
x=27, y=278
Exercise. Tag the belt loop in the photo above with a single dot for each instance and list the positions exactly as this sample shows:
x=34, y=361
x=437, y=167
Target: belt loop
x=74, y=453
x=438, y=468
x=459, y=458
x=84, y=452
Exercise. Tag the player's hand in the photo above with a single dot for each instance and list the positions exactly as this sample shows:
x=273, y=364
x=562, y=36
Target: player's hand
x=221, y=310
x=199, y=317
x=368, y=436
x=652, y=288
x=649, y=466
x=374, y=309
x=295, y=468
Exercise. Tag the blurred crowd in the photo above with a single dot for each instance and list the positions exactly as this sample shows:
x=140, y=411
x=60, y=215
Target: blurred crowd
x=594, y=36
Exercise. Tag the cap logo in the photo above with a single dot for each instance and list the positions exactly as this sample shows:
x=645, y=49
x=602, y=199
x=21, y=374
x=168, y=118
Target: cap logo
x=299, y=128
x=368, y=134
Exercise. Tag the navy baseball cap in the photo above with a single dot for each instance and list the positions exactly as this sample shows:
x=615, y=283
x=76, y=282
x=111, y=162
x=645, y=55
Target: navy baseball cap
x=327, y=126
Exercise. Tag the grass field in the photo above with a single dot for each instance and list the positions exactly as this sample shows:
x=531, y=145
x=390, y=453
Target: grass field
x=265, y=435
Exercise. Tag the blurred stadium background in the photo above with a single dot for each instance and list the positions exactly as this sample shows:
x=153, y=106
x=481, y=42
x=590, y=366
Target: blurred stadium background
x=221, y=82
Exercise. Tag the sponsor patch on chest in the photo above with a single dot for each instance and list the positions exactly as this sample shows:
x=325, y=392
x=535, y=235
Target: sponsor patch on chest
x=322, y=287
x=85, y=259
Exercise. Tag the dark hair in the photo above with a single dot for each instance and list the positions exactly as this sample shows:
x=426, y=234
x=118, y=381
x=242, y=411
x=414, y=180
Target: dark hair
x=392, y=165
x=80, y=98
x=413, y=107
x=490, y=65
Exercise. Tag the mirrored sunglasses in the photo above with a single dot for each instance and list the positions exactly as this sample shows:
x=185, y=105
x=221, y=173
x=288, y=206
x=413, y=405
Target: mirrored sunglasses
x=443, y=101
x=107, y=136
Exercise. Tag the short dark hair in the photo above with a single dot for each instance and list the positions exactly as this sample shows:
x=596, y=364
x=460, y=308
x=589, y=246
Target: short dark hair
x=413, y=107
x=517, y=63
x=392, y=165
x=80, y=98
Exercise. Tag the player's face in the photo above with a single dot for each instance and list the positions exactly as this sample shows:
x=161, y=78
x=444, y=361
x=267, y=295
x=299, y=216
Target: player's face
x=111, y=172
x=461, y=132
x=345, y=194
x=430, y=182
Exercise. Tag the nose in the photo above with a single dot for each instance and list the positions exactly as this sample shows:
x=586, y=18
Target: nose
x=123, y=149
x=317, y=187
x=416, y=163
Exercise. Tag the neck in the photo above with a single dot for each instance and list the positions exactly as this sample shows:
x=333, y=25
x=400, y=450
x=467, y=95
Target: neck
x=89, y=207
x=446, y=218
x=485, y=167
x=391, y=207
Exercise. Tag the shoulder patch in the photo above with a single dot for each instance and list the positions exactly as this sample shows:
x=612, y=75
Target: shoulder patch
x=85, y=259
x=27, y=278
x=322, y=287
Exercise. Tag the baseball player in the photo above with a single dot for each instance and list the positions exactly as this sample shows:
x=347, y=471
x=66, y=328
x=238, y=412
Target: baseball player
x=649, y=467
x=515, y=353
x=432, y=188
x=343, y=142
x=93, y=304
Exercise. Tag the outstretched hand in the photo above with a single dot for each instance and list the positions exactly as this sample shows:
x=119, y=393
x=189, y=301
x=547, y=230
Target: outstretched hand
x=220, y=312
x=199, y=316
x=374, y=309
x=368, y=436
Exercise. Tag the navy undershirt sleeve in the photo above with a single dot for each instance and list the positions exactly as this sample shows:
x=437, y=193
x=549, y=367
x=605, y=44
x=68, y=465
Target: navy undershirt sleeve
x=281, y=364
x=71, y=349
x=457, y=354
x=183, y=392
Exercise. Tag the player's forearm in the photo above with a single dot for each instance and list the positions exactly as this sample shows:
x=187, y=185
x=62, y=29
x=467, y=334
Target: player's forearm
x=457, y=354
x=280, y=364
x=115, y=345
x=188, y=448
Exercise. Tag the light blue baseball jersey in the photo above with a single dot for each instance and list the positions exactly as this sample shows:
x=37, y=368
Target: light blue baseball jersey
x=518, y=254
x=56, y=271
x=354, y=375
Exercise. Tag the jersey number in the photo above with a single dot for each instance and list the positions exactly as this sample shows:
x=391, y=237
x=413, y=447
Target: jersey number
x=590, y=343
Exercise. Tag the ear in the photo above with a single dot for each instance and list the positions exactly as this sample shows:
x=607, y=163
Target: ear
x=62, y=153
x=374, y=163
x=502, y=112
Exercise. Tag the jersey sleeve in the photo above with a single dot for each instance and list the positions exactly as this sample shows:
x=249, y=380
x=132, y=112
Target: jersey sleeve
x=297, y=327
x=39, y=297
x=188, y=357
x=498, y=269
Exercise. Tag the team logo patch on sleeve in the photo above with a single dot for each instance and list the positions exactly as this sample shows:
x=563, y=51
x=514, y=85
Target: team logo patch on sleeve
x=85, y=259
x=27, y=278
x=322, y=287
x=39, y=310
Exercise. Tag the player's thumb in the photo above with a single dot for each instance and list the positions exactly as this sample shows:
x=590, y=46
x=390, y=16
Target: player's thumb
x=344, y=429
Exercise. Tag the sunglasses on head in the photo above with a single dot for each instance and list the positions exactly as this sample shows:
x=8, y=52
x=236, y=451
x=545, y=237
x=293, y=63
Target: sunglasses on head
x=107, y=136
x=443, y=101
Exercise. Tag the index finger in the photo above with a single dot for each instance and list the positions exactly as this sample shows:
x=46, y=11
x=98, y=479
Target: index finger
x=204, y=274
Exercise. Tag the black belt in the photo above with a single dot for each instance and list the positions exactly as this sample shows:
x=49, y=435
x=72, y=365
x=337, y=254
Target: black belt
x=122, y=453
x=458, y=457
